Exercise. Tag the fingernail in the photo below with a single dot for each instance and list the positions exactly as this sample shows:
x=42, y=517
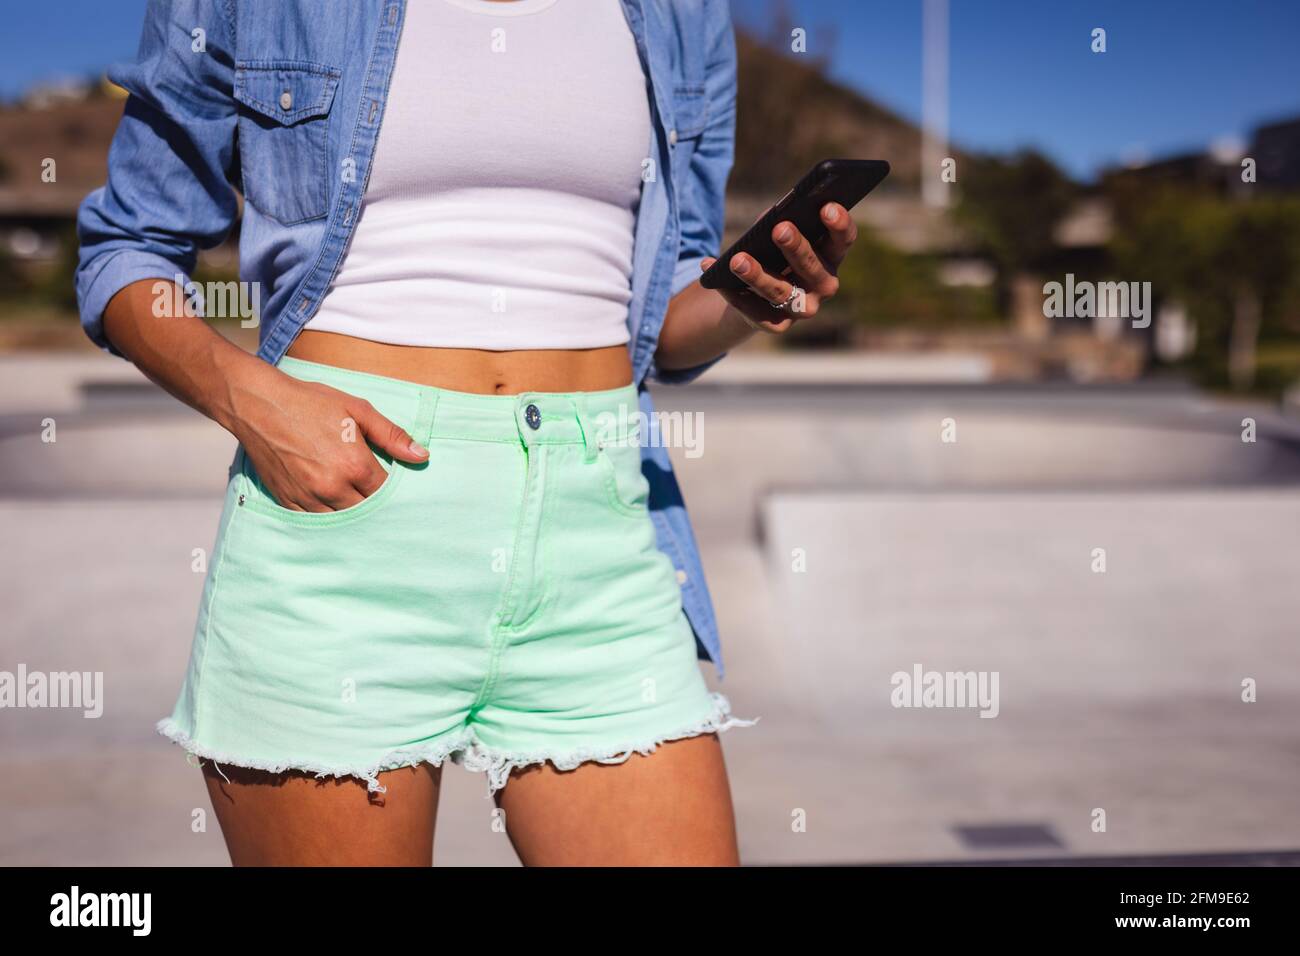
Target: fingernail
x=742, y=268
x=783, y=234
x=418, y=450
x=832, y=213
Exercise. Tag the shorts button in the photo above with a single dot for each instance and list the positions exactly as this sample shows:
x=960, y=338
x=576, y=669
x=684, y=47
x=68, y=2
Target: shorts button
x=533, y=416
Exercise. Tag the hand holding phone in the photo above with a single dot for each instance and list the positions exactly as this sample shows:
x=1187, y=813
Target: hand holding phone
x=843, y=181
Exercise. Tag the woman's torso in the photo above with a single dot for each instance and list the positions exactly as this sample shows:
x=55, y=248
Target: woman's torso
x=493, y=249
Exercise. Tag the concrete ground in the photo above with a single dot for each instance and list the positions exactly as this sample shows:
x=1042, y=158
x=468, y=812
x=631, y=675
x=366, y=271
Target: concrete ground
x=845, y=542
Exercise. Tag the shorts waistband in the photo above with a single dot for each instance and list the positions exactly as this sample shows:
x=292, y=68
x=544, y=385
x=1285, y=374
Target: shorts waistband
x=531, y=418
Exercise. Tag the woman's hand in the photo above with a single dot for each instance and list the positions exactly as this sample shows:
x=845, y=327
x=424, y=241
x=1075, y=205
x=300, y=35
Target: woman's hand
x=308, y=442
x=810, y=281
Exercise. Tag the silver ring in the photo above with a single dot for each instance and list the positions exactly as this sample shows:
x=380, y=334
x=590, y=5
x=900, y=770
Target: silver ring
x=794, y=294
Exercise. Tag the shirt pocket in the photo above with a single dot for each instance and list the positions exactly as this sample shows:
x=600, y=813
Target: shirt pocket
x=283, y=136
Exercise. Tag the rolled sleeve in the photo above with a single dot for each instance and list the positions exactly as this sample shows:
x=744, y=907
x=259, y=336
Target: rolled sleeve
x=107, y=275
x=682, y=376
x=169, y=191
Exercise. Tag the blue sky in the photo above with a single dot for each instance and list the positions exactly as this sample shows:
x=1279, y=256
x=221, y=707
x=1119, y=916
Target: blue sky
x=1177, y=74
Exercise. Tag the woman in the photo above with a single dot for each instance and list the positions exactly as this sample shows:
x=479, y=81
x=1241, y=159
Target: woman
x=441, y=540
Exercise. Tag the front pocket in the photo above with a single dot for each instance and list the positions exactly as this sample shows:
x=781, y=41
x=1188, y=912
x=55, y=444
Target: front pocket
x=625, y=486
x=283, y=136
x=255, y=496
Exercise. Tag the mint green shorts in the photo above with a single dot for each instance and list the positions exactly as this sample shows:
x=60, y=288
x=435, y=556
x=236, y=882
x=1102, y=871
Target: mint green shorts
x=500, y=605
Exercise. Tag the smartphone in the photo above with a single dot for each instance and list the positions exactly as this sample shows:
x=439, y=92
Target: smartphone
x=844, y=181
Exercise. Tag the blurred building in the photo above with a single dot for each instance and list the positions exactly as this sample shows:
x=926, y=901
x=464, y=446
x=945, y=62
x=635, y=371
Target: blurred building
x=1276, y=149
x=53, y=151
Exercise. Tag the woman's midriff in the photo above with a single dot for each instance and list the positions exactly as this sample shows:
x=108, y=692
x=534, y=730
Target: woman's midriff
x=472, y=370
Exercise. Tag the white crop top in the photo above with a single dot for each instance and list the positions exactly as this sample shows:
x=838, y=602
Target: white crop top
x=502, y=201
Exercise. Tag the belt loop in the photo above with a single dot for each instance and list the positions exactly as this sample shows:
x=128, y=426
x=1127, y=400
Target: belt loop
x=589, y=443
x=424, y=415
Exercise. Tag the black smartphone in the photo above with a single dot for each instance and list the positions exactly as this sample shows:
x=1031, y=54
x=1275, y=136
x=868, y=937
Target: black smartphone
x=844, y=181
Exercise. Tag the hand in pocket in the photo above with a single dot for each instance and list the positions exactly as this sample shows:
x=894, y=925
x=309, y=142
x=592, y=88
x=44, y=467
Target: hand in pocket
x=310, y=444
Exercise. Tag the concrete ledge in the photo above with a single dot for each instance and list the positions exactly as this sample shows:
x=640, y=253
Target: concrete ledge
x=852, y=368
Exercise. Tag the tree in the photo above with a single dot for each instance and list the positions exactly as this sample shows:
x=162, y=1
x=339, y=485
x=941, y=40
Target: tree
x=1010, y=207
x=1234, y=264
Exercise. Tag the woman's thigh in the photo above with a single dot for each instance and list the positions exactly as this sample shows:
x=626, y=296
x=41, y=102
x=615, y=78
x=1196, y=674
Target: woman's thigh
x=296, y=819
x=668, y=808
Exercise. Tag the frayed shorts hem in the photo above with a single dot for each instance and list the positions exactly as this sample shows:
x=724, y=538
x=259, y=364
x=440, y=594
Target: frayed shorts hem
x=466, y=751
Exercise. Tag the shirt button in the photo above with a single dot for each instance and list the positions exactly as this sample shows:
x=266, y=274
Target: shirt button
x=533, y=416
x=286, y=100
x=681, y=576
x=672, y=137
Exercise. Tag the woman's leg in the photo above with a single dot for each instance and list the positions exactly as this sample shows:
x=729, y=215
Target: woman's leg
x=668, y=808
x=295, y=819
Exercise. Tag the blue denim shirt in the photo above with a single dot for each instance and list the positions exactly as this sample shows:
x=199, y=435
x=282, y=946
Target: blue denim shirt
x=208, y=112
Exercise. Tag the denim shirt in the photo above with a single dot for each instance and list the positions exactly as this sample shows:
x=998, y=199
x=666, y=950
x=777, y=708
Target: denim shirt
x=284, y=100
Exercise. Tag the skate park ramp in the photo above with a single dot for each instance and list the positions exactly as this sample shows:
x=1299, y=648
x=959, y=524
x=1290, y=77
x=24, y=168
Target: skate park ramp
x=873, y=547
